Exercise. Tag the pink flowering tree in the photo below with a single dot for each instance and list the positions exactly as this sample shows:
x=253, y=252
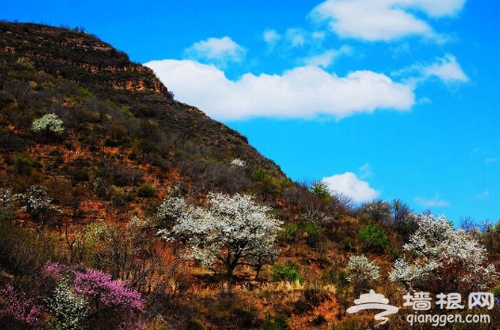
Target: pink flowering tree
x=98, y=287
x=101, y=292
x=15, y=304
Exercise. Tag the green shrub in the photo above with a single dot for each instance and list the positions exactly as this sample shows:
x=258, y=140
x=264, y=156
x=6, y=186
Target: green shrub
x=22, y=164
x=146, y=191
x=132, y=155
x=337, y=278
x=259, y=174
x=195, y=324
x=496, y=290
x=350, y=245
x=227, y=311
x=81, y=176
x=289, y=232
x=288, y=273
x=5, y=216
x=373, y=237
x=278, y=322
x=119, y=197
x=313, y=231
x=320, y=189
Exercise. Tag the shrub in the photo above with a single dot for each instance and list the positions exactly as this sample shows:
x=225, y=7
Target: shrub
x=50, y=123
x=145, y=191
x=81, y=176
x=195, y=324
x=321, y=190
x=119, y=197
x=17, y=305
x=443, y=259
x=288, y=273
x=36, y=202
x=361, y=272
x=311, y=298
x=259, y=174
x=278, y=322
x=68, y=309
x=226, y=311
x=289, y=232
x=10, y=142
x=22, y=164
x=373, y=237
x=313, y=231
x=350, y=245
x=100, y=288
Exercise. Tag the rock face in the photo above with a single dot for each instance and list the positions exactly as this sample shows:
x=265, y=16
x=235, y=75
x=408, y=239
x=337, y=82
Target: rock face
x=59, y=51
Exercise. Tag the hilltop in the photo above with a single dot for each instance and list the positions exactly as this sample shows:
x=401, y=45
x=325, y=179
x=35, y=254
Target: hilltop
x=91, y=147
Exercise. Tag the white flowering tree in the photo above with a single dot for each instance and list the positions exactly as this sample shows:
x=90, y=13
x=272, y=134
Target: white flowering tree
x=233, y=231
x=69, y=310
x=443, y=259
x=5, y=197
x=361, y=272
x=238, y=163
x=49, y=123
x=35, y=201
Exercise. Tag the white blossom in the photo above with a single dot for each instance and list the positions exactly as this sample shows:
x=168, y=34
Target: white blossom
x=234, y=230
x=409, y=273
x=438, y=249
x=69, y=310
x=238, y=162
x=35, y=201
x=48, y=123
x=5, y=196
x=360, y=269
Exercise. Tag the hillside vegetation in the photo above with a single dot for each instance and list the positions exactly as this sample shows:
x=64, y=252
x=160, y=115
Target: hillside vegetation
x=122, y=208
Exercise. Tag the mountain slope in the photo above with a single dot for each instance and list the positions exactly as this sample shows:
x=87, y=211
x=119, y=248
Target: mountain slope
x=90, y=145
x=107, y=101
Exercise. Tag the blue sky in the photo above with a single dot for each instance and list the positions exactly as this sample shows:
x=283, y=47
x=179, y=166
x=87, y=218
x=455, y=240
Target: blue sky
x=380, y=99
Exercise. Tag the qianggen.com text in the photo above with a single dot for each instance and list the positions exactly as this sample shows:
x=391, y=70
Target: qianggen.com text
x=442, y=320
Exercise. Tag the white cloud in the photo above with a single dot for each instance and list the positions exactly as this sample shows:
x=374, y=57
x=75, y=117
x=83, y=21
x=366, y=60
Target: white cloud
x=295, y=37
x=383, y=20
x=325, y=59
x=271, y=37
x=217, y=50
x=433, y=8
x=366, y=171
x=435, y=201
x=491, y=160
x=447, y=69
x=303, y=92
x=349, y=185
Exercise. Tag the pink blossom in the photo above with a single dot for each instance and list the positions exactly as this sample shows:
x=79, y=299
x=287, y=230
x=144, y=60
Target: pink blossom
x=17, y=305
x=100, y=287
x=55, y=268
